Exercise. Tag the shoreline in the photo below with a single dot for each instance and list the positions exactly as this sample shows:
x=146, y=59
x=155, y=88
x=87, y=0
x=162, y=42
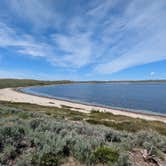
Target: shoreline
x=17, y=95
x=144, y=112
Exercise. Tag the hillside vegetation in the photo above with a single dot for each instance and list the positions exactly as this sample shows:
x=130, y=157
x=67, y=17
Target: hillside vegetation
x=12, y=83
x=36, y=135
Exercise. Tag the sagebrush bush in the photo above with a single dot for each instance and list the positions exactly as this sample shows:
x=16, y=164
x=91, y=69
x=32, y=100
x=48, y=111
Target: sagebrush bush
x=123, y=160
x=151, y=138
x=11, y=134
x=8, y=153
x=37, y=139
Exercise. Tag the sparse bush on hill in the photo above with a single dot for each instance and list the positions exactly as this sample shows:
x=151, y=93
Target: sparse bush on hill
x=6, y=83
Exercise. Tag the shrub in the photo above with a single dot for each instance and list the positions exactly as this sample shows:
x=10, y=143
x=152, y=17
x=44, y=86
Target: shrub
x=24, y=115
x=106, y=155
x=49, y=159
x=82, y=150
x=48, y=113
x=123, y=160
x=9, y=153
x=35, y=123
x=26, y=160
x=77, y=118
x=44, y=140
x=11, y=134
x=150, y=139
x=114, y=136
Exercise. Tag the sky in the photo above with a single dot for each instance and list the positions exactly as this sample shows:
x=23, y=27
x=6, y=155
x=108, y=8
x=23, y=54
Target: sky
x=83, y=39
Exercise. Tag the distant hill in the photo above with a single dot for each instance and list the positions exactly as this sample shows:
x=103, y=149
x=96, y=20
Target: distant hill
x=5, y=83
x=125, y=81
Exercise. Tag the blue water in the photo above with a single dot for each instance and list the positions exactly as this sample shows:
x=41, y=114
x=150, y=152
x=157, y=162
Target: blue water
x=141, y=97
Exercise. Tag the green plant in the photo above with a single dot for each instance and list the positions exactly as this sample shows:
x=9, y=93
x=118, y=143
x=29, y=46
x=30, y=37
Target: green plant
x=23, y=115
x=44, y=139
x=123, y=160
x=49, y=159
x=106, y=155
x=76, y=118
x=9, y=153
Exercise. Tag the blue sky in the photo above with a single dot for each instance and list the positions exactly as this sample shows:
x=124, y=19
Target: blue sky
x=83, y=39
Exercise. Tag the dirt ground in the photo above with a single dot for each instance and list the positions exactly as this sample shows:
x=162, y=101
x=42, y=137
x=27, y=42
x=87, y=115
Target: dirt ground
x=136, y=158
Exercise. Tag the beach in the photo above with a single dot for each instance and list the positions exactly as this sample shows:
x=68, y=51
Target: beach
x=14, y=95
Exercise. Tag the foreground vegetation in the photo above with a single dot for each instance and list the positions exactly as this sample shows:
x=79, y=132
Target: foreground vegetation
x=36, y=135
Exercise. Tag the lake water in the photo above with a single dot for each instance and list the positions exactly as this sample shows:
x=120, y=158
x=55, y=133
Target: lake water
x=141, y=97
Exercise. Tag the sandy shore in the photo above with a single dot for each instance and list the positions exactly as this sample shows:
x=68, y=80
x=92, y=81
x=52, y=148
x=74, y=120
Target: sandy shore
x=10, y=94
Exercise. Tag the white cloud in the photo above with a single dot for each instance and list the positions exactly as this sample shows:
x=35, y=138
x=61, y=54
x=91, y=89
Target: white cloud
x=39, y=13
x=77, y=49
x=22, y=43
x=101, y=8
x=152, y=73
x=145, y=42
x=148, y=51
x=108, y=35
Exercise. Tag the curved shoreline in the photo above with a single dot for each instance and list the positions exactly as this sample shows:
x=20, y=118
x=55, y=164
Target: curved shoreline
x=16, y=95
x=144, y=112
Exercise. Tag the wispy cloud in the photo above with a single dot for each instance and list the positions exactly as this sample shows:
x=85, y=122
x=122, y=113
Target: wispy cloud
x=101, y=8
x=144, y=52
x=108, y=35
x=77, y=49
x=23, y=43
x=38, y=13
x=141, y=37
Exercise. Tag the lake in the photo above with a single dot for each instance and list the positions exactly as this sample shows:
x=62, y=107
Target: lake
x=139, y=97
